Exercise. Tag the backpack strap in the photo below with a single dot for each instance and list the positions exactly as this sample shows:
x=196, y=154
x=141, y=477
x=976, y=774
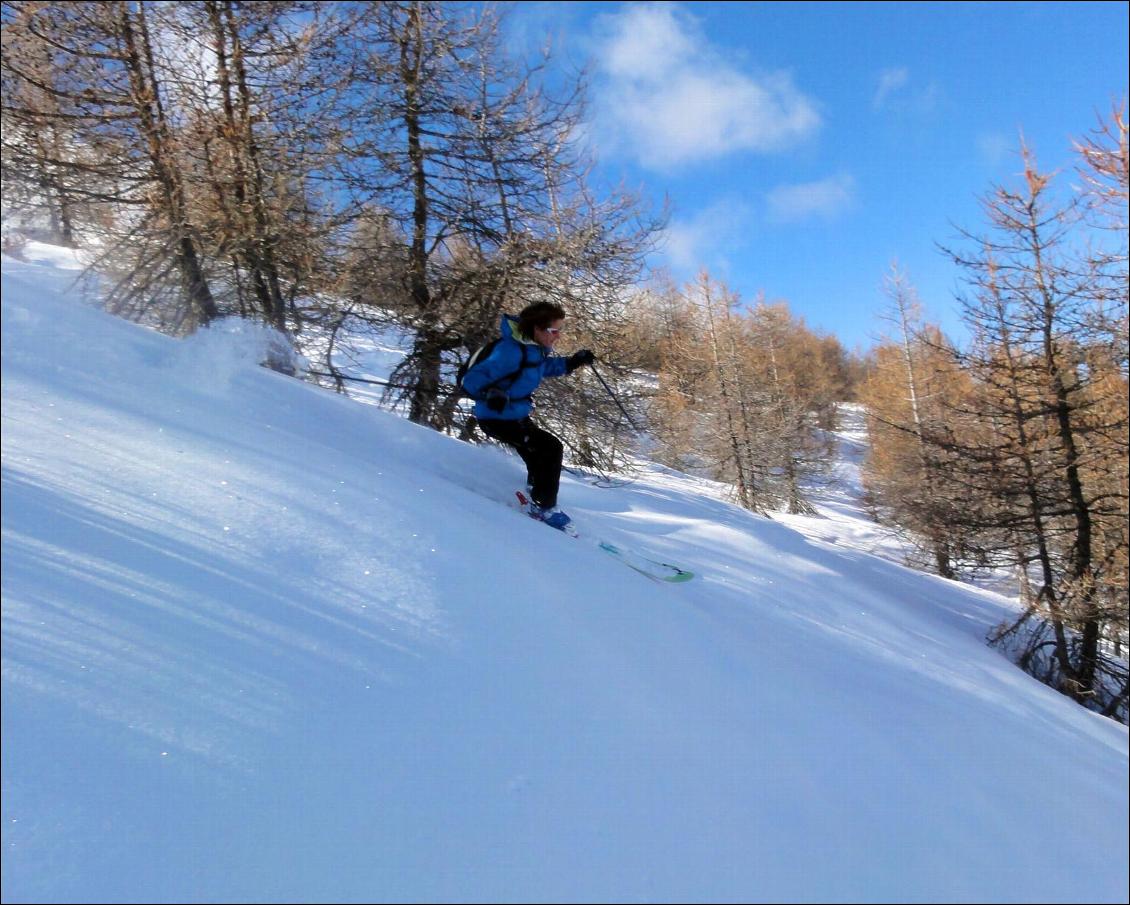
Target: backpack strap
x=511, y=377
x=483, y=353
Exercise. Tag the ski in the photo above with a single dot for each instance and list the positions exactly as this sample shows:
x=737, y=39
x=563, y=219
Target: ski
x=652, y=568
x=645, y=565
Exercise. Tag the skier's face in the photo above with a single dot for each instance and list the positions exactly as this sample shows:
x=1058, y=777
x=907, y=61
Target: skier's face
x=547, y=336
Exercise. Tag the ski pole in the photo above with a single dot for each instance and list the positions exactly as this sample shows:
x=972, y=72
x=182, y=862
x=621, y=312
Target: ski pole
x=608, y=389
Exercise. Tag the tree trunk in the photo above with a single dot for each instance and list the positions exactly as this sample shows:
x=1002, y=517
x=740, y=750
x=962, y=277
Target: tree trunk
x=426, y=349
x=147, y=103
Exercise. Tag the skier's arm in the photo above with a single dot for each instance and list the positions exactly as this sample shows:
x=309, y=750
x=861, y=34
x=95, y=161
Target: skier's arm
x=556, y=365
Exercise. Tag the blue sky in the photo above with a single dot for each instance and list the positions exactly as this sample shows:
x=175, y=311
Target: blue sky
x=806, y=146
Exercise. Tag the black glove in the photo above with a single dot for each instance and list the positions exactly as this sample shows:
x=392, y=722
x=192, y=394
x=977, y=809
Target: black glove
x=577, y=359
x=496, y=400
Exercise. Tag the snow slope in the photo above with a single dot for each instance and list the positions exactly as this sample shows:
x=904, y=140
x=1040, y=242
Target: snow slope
x=262, y=643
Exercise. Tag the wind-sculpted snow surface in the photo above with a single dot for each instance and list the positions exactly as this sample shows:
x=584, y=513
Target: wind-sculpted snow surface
x=263, y=643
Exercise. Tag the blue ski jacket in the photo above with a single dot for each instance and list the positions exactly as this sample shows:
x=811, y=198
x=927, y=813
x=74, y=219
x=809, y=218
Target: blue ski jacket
x=514, y=352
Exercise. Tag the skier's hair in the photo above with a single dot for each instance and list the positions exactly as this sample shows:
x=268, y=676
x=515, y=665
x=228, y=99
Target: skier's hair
x=539, y=314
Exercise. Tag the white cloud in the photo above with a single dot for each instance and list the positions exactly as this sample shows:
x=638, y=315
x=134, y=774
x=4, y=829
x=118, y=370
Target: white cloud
x=890, y=81
x=708, y=237
x=645, y=41
x=995, y=147
x=824, y=199
x=899, y=95
x=669, y=98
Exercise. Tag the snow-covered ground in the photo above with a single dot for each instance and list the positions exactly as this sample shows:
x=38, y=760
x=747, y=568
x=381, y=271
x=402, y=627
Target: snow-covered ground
x=264, y=643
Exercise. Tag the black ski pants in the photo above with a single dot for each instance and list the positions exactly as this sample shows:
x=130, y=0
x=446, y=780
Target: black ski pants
x=540, y=450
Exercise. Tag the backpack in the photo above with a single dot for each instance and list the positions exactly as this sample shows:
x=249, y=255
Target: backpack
x=481, y=354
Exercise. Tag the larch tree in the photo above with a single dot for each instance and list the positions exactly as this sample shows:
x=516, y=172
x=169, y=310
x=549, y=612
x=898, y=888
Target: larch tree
x=477, y=169
x=105, y=80
x=1035, y=437
x=906, y=394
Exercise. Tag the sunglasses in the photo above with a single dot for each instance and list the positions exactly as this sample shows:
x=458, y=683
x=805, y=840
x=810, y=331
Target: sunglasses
x=556, y=331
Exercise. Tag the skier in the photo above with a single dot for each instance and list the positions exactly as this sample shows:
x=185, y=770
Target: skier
x=502, y=384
